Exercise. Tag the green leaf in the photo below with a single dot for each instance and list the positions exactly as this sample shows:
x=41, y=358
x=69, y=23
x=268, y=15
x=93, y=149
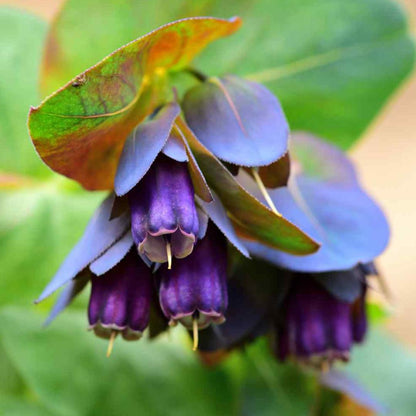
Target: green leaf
x=333, y=64
x=79, y=131
x=21, y=41
x=18, y=406
x=270, y=388
x=381, y=359
x=68, y=371
x=38, y=226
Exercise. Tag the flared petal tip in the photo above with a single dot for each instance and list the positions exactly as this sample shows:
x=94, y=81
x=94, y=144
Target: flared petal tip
x=204, y=319
x=105, y=331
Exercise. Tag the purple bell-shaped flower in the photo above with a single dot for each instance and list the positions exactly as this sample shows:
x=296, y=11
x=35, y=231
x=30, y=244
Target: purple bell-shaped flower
x=120, y=299
x=194, y=292
x=164, y=219
x=317, y=328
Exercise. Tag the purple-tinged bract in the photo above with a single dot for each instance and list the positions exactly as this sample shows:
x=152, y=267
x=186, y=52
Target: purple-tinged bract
x=163, y=211
x=196, y=287
x=240, y=121
x=120, y=299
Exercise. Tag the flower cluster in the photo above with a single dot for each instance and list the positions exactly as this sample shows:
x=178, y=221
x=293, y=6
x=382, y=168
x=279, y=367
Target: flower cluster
x=215, y=218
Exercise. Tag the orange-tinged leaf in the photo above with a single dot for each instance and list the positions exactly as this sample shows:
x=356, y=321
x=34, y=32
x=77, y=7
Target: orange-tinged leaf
x=79, y=131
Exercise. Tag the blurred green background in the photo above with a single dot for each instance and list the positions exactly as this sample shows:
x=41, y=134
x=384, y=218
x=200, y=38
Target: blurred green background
x=62, y=370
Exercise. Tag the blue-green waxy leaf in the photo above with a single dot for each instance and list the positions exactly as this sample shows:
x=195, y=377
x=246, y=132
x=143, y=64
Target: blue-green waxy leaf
x=325, y=200
x=100, y=234
x=241, y=122
x=113, y=255
x=142, y=147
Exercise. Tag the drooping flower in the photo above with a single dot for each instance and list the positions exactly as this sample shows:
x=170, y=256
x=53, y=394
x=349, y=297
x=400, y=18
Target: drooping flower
x=120, y=299
x=195, y=289
x=316, y=327
x=164, y=218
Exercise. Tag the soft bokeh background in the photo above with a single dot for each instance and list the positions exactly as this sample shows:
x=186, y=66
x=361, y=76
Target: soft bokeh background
x=386, y=160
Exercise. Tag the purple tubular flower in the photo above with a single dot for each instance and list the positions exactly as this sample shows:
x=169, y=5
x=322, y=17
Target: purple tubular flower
x=163, y=211
x=316, y=327
x=120, y=299
x=196, y=287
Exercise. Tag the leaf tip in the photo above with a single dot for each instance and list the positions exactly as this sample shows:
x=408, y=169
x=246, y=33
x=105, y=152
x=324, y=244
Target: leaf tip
x=237, y=21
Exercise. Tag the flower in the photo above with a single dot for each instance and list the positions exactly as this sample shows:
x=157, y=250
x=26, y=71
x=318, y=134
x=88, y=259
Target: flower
x=194, y=292
x=315, y=327
x=120, y=299
x=164, y=219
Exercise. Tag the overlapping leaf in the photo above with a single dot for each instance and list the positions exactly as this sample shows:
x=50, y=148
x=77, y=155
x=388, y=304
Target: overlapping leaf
x=325, y=200
x=79, y=131
x=250, y=217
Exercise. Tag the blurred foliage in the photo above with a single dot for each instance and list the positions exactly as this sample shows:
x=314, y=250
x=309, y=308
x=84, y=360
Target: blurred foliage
x=333, y=65
x=21, y=42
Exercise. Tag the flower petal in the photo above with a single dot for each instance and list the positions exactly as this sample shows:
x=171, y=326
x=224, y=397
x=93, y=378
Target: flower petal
x=346, y=285
x=339, y=381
